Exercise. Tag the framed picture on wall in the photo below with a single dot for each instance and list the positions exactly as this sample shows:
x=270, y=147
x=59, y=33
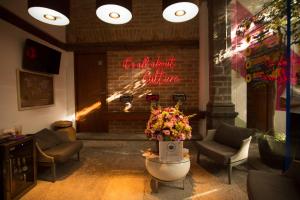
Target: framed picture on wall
x=35, y=90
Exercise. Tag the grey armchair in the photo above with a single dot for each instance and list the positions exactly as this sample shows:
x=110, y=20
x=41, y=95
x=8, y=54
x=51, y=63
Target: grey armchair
x=54, y=147
x=227, y=145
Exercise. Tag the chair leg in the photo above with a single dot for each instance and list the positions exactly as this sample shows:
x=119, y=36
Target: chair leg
x=229, y=173
x=53, y=170
x=198, y=157
x=78, y=156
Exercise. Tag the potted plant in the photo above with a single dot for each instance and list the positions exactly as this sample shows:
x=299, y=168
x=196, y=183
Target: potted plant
x=167, y=125
x=272, y=149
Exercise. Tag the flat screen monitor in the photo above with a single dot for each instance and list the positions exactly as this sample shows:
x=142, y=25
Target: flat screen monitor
x=40, y=58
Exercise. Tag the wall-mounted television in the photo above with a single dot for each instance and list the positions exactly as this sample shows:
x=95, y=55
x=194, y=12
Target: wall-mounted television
x=40, y=58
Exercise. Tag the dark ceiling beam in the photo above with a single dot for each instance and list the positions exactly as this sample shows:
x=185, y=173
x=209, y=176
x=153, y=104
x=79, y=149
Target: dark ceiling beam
x=15, y=20
x=133, y=46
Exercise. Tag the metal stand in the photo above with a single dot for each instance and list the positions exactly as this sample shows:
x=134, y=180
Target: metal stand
x=154, y=183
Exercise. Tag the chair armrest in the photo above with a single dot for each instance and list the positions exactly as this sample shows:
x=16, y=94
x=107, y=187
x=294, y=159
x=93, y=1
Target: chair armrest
x=242, y=152
x=210, y=135
x=42, y=155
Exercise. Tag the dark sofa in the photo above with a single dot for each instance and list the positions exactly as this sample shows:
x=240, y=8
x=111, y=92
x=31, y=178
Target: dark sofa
x=263, y=185
x=55, y=147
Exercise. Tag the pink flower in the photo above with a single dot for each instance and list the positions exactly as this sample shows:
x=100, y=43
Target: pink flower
x=185, y=120
x=156, y=112
x=189, y=136
x=182, y=136
x=159, y=137
x=169, y=124
x=166, y=132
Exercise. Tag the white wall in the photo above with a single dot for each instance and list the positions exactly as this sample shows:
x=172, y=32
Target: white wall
x=239, y=97
x=19, y=8
x=12, y=40
x=280, y=121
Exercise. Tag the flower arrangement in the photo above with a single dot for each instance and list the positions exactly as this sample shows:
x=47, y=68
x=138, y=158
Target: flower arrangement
x=168, y=124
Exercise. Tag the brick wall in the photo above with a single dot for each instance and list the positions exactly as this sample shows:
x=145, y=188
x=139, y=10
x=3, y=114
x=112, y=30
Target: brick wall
x=147, y=24
x=130, y=81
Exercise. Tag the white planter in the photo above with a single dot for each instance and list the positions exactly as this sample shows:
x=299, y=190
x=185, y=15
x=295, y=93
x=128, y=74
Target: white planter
x=168, y=171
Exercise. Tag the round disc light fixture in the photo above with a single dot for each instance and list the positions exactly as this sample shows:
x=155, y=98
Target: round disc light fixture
x=179, y=11
x=54, y=12
x=114, y=11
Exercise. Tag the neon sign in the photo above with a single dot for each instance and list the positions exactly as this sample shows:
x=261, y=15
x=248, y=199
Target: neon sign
x=154, y=69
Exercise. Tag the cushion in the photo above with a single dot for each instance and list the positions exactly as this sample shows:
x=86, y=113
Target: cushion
x=62, y=124
x=63, y=135
x=263, y=186
x=216, y=151
x=47, y=138
x=64, y=151
x=231, y=135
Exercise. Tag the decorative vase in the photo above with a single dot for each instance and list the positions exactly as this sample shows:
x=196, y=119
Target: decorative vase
x=170, y=151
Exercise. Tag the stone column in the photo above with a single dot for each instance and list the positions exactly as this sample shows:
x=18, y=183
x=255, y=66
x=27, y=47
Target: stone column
x=203, y=63
x=220, y=107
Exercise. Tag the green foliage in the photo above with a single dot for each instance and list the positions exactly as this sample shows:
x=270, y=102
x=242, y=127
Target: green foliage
x=273, y=16
x=279, y=137
x=275, y=13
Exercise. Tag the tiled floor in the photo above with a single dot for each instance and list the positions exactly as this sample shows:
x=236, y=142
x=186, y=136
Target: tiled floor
x=115, y=170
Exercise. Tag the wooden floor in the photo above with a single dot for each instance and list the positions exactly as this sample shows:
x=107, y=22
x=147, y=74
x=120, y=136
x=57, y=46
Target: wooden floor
x=115, y=170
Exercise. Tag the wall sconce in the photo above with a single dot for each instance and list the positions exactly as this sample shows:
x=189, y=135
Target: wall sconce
x=126, y=99
x=179, y=98
x=54, y=12
x=153, y=99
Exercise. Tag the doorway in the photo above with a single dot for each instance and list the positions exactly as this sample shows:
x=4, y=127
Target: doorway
x=261, y=106
x=91, y=90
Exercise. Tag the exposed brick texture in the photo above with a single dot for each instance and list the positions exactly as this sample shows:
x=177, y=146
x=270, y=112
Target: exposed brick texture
x=147, y=24
x=220, y=70
x=220, y=107
x=122, y=81
x=128, y=127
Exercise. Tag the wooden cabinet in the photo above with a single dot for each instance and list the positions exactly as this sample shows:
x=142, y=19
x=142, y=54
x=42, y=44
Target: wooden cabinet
x=18, y=167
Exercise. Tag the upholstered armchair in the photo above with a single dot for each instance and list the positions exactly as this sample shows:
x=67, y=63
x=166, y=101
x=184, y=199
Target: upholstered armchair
x=55, y=147
x=227, y=145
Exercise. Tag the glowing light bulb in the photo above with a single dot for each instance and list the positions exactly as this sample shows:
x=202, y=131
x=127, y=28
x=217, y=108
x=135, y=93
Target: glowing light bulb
x=180, y=13
x=114, y=15
x=50, y=17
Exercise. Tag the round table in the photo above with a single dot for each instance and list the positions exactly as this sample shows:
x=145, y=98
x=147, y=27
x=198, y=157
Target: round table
x=166, y=172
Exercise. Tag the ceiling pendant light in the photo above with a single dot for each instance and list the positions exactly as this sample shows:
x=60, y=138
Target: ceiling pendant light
x=179, y=11
x=114, y=11
x=54, y=12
